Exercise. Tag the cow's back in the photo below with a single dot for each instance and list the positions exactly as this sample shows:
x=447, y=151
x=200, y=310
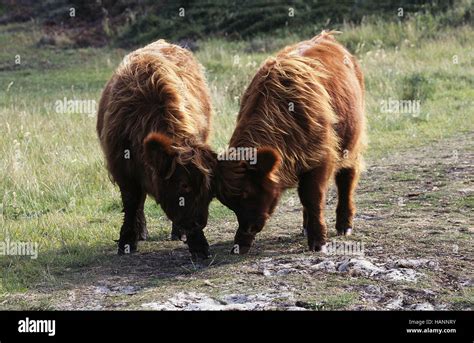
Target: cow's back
x=158, y=88
x=344, y=82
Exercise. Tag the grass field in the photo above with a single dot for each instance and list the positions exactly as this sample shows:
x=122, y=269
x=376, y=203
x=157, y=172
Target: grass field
x=54, y=189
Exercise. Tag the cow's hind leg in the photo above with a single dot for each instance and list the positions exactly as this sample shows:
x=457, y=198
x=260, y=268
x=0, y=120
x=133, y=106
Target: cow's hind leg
x=346, y=181
x=312, y=191
x=134, y=223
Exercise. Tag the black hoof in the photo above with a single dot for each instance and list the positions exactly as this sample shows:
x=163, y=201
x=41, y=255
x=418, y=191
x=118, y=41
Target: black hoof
x=200, y=255
x=197, y=243
x=345, y=232
x=318, y=247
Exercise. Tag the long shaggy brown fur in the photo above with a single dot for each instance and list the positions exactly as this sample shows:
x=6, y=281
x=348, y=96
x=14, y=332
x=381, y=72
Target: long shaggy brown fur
x=307, y=105
x=157, y=98
x=158, y=88
x=302, y=103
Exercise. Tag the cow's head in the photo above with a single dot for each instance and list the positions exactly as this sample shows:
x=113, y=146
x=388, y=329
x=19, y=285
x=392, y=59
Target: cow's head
x=251, y=191
x=181, y=182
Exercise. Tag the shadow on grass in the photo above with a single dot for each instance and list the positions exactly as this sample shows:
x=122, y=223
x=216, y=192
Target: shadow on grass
x=156, y=261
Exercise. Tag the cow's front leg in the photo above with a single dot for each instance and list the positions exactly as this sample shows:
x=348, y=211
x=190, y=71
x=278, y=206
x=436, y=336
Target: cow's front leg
x=134, y=224
x=243, y=241
x=312, y=191
x=198, y=245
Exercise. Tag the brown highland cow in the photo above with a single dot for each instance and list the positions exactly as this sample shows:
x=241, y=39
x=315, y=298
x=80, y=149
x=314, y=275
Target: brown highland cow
x=153, y=124
x=303, y=112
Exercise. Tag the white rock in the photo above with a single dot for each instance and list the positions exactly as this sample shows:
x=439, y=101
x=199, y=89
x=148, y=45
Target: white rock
x=395, y=304
x=327, y=265
x=285, y=271
x=404, y=274
x=362, y=266
x=411, y=263
x=422, y=307
x=191, y=301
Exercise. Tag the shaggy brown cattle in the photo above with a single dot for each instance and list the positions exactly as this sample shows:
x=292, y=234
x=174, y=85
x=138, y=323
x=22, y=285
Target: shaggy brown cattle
x=153, y=124
x=303, y=112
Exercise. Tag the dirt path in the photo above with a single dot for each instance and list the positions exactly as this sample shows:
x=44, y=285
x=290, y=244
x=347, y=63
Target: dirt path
x=414, y=220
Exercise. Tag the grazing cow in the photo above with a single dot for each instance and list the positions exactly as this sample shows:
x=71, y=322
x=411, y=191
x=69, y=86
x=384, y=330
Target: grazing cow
x=153, y=124
x=303, y=113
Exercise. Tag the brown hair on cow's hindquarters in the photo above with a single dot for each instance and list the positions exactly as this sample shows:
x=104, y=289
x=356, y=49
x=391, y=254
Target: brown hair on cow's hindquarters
x=153, y=123
x=304, y=113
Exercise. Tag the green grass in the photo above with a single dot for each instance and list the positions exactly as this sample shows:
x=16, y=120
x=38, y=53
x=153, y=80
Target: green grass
x=54, y=188
x=463, y=300
x=247, y=19
x=331, y=302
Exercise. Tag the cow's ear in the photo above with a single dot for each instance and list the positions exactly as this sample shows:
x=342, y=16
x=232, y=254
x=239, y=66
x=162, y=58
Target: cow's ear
x=268, y=162
x=159, y=152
